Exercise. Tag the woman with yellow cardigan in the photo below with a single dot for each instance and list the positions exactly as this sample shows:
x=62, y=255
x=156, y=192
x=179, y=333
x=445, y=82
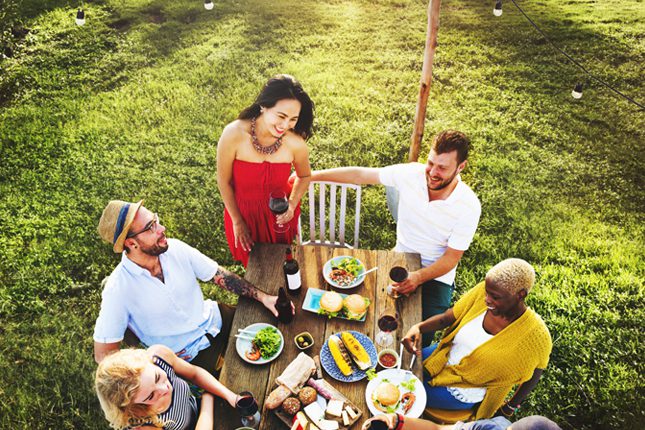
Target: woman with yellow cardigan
x=494, y=342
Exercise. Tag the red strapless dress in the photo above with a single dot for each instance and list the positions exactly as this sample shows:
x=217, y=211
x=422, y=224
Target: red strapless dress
x=253, y=183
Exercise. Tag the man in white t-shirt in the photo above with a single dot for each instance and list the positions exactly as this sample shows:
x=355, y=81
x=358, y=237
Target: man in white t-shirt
x=437, y=214
x=153, y=296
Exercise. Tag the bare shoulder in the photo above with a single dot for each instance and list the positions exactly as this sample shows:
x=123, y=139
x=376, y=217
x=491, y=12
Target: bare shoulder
x=294, y=141
x=235, y=132
x=162, y=351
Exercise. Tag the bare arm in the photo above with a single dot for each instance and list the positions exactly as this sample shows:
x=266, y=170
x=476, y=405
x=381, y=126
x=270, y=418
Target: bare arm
x=194, y=374
x=102, y=350
x=443, y=265
x=348, y=175
x=521, y=394
x=206, y=413
x=303, y=177
x=226, y=151
x=412, y=340
x=240, y=286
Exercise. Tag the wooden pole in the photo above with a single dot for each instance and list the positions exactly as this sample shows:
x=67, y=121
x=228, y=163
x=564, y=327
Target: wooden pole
x=434, y=7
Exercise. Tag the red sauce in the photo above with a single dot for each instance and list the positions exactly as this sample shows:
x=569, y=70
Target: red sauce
x=387, y=360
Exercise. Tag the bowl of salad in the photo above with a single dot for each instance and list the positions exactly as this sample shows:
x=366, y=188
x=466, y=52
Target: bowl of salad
x=344, y=272
x=259, y=343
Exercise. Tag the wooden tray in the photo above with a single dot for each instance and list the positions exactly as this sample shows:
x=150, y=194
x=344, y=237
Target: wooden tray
x=287, y=419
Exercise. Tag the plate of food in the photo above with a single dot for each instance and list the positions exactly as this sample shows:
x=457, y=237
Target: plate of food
x=344, y=272
x=332, y=304
x=347, y=356
x=396, y=391
x=259, y=343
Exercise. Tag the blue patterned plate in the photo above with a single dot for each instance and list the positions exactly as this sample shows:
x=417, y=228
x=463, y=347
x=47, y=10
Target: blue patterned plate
x=332, y=369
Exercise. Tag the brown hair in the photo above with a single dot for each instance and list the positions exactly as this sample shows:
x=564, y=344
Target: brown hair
x=452, y=140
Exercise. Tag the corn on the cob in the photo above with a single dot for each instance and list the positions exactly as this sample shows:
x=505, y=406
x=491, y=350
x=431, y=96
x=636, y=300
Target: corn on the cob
x=340, y=355
x=360, y=356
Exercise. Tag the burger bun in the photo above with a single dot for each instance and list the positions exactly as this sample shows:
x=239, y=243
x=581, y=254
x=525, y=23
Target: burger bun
x=331, y=302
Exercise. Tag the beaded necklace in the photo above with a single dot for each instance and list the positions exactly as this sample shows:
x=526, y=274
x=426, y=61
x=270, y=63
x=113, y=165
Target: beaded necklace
x=267, y=150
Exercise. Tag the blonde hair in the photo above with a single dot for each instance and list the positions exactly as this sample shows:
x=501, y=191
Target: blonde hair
x=513, y=275
x=117, y=380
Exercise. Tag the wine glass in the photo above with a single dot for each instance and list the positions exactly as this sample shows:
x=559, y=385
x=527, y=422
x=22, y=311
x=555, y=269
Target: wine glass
x=397, y=274
x=279, y=204
x=247, y=407
x=387, y=322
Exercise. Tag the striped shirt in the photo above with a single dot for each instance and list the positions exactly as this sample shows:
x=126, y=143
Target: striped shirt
x=182, y=412
x=430, y=227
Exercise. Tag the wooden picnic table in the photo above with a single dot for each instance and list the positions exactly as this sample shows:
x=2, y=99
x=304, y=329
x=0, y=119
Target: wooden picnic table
x=265, y=271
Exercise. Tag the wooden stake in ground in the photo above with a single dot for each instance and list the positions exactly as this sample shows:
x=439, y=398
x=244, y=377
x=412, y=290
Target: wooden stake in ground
x=434, y=7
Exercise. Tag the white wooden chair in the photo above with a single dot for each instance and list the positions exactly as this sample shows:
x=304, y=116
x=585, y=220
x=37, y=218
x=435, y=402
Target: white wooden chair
x=320, y=225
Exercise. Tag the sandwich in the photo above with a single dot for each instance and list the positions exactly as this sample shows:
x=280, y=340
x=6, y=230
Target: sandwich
x=331, y=303
x=355, y=306
x=386, y=397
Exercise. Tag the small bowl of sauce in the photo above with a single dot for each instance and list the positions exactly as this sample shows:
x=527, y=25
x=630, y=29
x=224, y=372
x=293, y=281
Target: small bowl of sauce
x=388, y=358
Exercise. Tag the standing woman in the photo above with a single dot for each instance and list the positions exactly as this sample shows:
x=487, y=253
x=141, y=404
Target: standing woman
x=140, y=389
x=254, y=158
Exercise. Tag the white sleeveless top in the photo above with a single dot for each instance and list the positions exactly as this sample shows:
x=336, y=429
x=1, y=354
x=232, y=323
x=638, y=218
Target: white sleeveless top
x=467, y=339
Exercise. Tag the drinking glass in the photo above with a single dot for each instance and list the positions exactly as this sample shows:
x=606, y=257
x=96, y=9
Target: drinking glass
x=278, y=202
x=397, y=274
x=388, y=322
x=247, y=407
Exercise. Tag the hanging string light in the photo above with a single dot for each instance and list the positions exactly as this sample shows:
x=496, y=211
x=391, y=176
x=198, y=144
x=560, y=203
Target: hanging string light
x=577, y=91
x=497, y=11
x=208, y=4
x=80, y=17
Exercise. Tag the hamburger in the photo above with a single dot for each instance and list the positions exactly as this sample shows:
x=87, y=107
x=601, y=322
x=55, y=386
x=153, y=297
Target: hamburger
x=355, y=306
x=386, y=397
x=331, y=303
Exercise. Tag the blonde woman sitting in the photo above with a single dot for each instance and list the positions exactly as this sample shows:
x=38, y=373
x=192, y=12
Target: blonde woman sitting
x=141, y=389
x=494, y=342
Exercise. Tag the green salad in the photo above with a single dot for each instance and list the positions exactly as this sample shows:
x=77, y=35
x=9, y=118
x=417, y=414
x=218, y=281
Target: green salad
x=267, y=341
x=351, y=265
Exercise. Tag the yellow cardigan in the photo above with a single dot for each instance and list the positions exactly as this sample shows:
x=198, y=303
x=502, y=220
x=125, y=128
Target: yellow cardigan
x=507, y=359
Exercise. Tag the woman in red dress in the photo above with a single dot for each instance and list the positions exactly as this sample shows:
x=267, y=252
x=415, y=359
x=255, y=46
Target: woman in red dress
x=254, y=158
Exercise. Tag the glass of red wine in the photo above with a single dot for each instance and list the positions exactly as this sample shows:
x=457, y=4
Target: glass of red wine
x=247, y=407
x=387, y=322
x=377, y=425
x=397, y=274
x=279, y=204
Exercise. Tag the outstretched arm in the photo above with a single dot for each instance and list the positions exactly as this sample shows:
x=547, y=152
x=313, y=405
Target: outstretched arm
x=412, y=339
x=408, y=423
x=240, y=286
x=348, y=175
x=206, y=413
x=102, y=350
x=301, y=182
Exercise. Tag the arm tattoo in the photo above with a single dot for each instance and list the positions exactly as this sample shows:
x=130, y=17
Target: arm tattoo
x=233, y=283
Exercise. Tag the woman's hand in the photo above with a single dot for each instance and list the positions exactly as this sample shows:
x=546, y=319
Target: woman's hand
x=285, y=217
x=389, y=419
x=242, y=236
x=412, y=340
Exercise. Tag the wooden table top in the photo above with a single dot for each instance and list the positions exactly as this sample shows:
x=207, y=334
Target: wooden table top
x=265, y=271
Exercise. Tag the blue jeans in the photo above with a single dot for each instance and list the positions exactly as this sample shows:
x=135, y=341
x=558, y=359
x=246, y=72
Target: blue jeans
x=440, y=397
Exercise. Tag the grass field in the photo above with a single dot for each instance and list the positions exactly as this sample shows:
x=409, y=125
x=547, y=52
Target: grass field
x=131, y=106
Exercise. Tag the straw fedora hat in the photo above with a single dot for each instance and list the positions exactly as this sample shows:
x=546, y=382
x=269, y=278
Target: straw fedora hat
x=115, y=222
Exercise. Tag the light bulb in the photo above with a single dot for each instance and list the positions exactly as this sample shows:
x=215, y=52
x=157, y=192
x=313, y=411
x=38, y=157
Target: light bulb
x=497, y=11
x=80, y=17
x=577, y=91
x=208, y=4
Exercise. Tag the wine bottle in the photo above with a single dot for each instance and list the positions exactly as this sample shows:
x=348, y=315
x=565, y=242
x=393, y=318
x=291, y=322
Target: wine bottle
x=283, y=306
x=292, y=274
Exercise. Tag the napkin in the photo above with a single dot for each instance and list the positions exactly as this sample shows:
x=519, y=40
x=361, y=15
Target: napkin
x=297, y=373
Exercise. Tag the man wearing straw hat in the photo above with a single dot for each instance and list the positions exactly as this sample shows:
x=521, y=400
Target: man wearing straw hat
x=153, y=293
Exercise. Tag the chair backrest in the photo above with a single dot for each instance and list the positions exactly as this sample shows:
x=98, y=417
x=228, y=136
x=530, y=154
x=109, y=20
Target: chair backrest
x=327, y=223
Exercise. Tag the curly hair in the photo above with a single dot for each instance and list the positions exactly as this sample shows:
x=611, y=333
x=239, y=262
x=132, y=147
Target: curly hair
x=512, y=274
x=117, y=380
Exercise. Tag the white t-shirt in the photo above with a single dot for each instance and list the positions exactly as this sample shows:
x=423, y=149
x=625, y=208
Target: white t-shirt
x=172, y=313
x=430, y=227
x=467, y=339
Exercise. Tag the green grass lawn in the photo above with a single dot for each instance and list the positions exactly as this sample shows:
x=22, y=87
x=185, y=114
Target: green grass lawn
x=131, y=106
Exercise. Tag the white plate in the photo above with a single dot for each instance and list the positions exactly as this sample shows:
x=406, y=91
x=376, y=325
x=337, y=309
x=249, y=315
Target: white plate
x=333, y=263
x=243, y=345
x=396, y=376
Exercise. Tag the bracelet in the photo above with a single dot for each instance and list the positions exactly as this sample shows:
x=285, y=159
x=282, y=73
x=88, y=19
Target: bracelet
x=509, y=406
x=399, y=422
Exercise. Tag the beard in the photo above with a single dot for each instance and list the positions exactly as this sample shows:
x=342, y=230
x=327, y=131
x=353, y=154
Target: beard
x=443, y=184
x=154, y=250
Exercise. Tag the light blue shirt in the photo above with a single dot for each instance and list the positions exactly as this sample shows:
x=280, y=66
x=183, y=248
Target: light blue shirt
x=172, y=313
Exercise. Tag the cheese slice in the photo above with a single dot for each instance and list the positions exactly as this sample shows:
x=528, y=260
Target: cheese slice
x=328, y=425
x=345, y=419
x=335, y=407
x=351, y=412
x=314, y=412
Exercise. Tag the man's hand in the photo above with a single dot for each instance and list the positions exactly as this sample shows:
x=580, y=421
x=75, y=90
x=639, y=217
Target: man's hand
x=270, y=301
x=412, y=340
x=410, y=285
